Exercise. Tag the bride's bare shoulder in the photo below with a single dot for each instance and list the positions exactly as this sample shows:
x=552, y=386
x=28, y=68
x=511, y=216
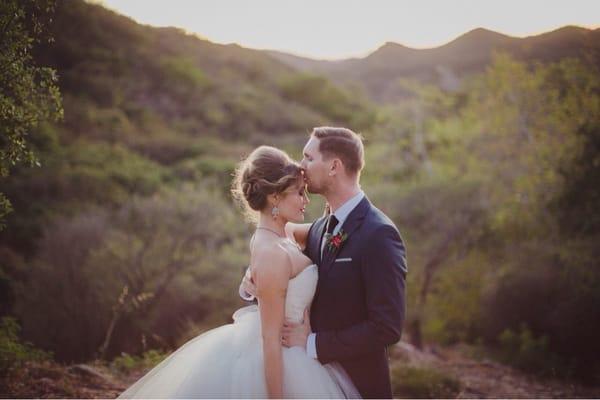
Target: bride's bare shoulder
x=271, y=262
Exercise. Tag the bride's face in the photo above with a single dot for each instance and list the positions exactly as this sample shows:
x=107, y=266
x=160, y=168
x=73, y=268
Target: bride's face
x=293, y=203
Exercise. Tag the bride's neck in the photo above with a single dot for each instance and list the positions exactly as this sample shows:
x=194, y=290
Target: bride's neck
x=272, y=224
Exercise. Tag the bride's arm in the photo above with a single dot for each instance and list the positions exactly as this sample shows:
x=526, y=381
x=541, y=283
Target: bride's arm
x=272, y=273
x=299, y=232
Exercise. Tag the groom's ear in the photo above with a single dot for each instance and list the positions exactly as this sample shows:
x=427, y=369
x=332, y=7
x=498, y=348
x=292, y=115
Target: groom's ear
x=336, y=166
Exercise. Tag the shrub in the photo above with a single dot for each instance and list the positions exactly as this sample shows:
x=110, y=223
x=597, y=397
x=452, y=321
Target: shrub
x=147, y=360
x=523, y=350
x=423, y=383
x=317, y=93
x=13, y=351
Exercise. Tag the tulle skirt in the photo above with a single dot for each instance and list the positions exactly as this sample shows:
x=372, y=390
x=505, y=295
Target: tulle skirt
x=227, y=362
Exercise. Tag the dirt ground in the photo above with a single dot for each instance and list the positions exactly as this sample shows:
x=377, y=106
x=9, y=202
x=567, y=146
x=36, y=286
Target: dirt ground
x=488, y=379
x=480, y=378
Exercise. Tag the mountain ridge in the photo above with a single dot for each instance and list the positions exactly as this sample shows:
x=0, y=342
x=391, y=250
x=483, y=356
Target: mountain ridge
x=448, y=64
x=164, y=79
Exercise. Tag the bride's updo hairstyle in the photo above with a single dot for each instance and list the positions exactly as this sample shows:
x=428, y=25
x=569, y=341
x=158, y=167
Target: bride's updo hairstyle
x=265, y=171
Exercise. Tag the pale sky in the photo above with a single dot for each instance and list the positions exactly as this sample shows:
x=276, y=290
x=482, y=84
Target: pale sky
x=334, y=29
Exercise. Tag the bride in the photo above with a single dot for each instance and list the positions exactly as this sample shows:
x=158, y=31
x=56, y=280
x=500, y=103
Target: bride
x=246, y=359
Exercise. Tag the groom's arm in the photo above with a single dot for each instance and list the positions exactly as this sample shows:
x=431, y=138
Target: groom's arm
x=384, y=270
x=247, y=289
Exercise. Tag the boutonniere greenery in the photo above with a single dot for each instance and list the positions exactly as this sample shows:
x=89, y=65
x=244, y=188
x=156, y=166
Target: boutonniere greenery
x=335, y=241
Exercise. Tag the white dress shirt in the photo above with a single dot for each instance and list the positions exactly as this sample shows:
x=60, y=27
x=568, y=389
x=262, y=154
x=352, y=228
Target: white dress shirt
x=341, y=214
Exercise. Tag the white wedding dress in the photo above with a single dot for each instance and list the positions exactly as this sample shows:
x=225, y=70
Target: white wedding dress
x=227, y=362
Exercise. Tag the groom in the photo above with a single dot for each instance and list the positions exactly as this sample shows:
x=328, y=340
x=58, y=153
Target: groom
x=358, y=309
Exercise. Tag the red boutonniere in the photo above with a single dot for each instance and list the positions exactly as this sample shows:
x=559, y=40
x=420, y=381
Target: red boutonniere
x=335, y=241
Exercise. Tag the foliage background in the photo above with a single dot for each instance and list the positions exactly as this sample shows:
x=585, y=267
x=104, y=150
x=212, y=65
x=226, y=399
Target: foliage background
x=124, y=238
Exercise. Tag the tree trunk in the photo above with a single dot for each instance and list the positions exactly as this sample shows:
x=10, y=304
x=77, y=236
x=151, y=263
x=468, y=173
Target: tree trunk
x=117, y=311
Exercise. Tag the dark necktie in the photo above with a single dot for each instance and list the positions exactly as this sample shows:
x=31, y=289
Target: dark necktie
x=331, y=224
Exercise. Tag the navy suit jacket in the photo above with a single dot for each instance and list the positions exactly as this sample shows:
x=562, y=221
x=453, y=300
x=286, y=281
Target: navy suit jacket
x=359, y=305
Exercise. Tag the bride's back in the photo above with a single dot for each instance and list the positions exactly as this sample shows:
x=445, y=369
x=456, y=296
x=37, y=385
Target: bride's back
x=303, y=275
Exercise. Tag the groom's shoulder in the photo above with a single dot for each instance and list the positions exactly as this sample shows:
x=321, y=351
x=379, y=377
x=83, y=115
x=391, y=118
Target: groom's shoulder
x=377, y=220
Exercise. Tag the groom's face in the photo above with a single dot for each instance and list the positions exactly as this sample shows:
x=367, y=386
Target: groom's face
x=315, y=168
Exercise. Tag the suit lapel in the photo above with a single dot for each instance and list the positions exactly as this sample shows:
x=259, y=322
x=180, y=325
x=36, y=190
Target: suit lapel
x=351, y=224
x=316, y=238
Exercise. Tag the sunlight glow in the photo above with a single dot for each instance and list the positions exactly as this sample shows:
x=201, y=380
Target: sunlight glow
x=333, y=29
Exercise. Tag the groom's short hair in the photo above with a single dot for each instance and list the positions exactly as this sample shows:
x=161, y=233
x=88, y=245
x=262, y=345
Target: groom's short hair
x=343, y=144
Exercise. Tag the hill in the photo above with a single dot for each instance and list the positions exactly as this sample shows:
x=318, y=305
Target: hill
x=446, y=65
x=161, y=79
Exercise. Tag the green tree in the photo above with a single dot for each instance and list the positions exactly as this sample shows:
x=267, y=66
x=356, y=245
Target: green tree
x=157, y=239
x=28, y=92
x=103, y=278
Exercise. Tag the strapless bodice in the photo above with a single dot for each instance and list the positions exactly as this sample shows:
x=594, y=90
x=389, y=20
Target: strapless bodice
x=300, y=292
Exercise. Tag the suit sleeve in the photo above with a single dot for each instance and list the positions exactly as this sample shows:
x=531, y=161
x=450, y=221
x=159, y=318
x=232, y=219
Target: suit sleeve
x=384, y=271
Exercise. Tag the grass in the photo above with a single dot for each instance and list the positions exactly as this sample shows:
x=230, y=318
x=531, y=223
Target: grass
x=127, y=363
x=423, y=383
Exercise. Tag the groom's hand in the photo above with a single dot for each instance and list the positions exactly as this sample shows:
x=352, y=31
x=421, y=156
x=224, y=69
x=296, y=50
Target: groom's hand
x=248, y=285
x=295, y=334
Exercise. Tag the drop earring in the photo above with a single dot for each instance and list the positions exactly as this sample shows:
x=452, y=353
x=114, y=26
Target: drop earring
x=275, y=212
